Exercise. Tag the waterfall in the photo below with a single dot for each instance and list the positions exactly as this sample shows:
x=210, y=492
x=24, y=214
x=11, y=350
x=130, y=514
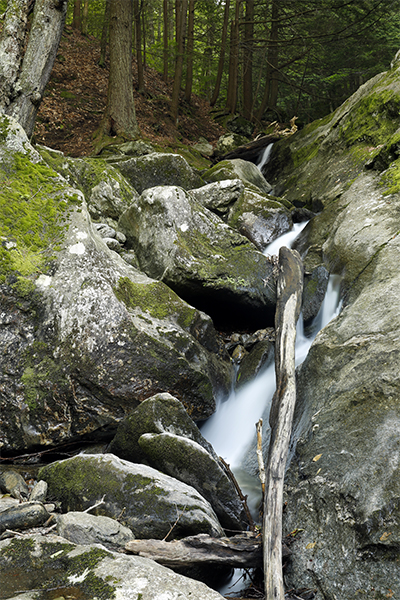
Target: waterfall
x=231, y=429
x=264, y=156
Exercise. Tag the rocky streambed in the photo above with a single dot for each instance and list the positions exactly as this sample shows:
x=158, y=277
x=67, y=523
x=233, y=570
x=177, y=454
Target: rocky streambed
x=117, y=276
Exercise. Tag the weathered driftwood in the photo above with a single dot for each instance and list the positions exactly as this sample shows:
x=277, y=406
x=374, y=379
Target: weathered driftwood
x=239, y=551
x=289, y=292
x=252, y=150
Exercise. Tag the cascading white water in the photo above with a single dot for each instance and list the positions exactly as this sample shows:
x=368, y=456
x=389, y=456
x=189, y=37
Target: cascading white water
x=232, y=427
x=264, y=156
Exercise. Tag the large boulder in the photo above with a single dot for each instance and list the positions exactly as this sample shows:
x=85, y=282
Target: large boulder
x=342, y=487
x=196, y=254
x=239, y=169
x=159, y=169
x=145, y=500
x=85, y=337
x=56, y=566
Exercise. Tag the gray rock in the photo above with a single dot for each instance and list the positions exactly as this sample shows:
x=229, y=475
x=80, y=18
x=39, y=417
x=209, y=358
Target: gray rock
x=219, y=196
x=204, y=147
x=206, y=262
x=84, y=528
x=149, y=501
x=12, y=482
x=239, y=169
x=158, y=414
x=260, y=355
x=39, y=492
x=112, y=243
x=104, y=230
x=229, y=142
x=89, y=569
x=159, y=169
x=315, y=285
x=189, y=462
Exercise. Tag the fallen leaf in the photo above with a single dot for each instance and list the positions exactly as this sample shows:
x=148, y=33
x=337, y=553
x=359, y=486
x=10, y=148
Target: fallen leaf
x=317, y=457
x=385, y=536
x=311, y=545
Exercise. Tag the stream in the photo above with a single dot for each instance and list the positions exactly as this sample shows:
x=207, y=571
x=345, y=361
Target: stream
x=232, y=428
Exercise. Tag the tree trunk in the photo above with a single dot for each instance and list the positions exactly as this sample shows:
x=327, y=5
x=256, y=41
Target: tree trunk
x=119, y=118
x=270, y=95
x=180, y=40
x=240, y=551
x=289, y=293
x=85, y=14
x=231, y=99
x=44, y=38
x=165, y=40
x=137, y=8
x=104, y=34
x=221, y=61
x=76, y=19
x=190, y=46
x=248, y=61
x=11, y=48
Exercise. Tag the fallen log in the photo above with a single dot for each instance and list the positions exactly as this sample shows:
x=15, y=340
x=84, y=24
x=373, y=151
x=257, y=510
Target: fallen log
x=240, y=551
x=289, y=293
x=252, y=150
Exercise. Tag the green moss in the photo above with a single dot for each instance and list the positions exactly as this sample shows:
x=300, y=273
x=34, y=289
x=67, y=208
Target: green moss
x=373, y=119
x=305, y=153
x=33, y=203
x=390, y=179
x=156, y=299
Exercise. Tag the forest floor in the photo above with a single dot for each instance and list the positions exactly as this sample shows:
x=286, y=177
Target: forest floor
x=76, y=96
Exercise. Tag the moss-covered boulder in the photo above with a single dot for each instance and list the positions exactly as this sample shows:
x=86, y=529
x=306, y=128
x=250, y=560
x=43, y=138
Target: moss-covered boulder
x=159, y=169
x=203, y=260
x=48, y=566
x=158, y=414
x=85, y=337
x=145, y=500
x=219, y=196
x=239, y=169
x=189, y=462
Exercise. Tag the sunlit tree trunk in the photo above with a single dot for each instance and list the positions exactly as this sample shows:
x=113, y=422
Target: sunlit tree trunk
x=180, y=42
x=190, y=47
x=76, y=19
x=119, y=118
x=221, y=61
x=44, y=39
x=104, y=34
x=85, y=14
x=137, y=8
x=248, y=60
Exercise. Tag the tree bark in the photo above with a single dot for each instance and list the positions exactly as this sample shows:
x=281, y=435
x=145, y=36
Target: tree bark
x=165, y=40
x=44, y=38
x=231, y=99
x=289, y=293
x=119, y=118
x=76, y=19
x=270, y=95
x=221, y=54
x=11, y=48
x=104, y=34
x=85, y=14
x=137, y=8
x=239, y=551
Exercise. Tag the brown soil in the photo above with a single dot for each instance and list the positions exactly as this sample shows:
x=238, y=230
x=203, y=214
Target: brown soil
x=76, y=96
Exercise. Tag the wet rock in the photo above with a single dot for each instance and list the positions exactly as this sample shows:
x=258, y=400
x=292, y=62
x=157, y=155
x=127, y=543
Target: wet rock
x=239, y=169
x=147, y=501
x=84, y=528
x=189, y=462
x=315, y=285
x=260, y=356
x=23, y=516
x=202, y=259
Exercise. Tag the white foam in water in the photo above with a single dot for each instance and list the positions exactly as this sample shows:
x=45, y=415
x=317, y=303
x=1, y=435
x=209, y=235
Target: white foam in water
x=264, y=156
x=286, y=239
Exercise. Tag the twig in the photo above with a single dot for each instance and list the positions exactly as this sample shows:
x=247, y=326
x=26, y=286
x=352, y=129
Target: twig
x=9, y=533
x=95, y=505
x=177, y=519
x=240, y=493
